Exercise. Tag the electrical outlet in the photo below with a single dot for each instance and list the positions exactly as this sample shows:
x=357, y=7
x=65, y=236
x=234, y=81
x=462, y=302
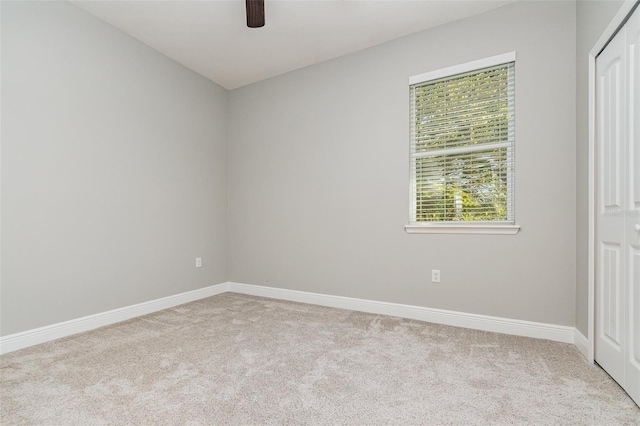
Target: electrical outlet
x=435, y=275
x=198, y=262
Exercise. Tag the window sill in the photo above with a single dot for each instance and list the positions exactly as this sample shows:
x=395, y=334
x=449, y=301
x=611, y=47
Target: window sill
x=462, y=229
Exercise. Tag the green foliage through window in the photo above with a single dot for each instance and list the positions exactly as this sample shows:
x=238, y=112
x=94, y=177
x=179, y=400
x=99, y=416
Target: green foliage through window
x=462, y=148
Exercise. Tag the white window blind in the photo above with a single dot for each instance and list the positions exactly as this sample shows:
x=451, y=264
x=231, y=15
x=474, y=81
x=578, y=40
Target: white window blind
x=462, y=147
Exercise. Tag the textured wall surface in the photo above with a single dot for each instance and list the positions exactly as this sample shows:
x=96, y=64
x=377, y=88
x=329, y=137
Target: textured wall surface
x=319, y=175
x=113, y=169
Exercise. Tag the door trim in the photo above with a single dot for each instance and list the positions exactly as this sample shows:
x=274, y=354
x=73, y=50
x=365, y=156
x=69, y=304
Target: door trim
x=616, y=23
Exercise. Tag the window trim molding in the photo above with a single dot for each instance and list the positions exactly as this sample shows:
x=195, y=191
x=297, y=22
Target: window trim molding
x=445, y=228
x=435, y=227
x=462, y=68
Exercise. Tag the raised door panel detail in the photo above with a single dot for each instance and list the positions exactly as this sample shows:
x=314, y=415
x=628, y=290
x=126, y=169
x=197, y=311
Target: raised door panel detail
x=633, y=61
x=611, y=133
x=634, y=307
x=610, y=294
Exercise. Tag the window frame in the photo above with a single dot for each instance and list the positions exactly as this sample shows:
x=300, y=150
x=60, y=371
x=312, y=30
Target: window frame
x=463, y=227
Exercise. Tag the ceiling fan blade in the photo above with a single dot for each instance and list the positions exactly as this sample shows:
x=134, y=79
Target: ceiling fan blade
x=255, y=13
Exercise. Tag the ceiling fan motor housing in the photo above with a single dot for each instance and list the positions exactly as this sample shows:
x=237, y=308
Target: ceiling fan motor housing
x=255, y=13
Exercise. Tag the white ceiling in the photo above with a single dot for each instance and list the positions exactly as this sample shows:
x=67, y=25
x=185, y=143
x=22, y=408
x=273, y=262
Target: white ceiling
x=211, y=37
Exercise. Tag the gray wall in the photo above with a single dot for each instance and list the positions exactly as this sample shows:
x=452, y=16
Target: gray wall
x=319, y=175
x=113, y=169
x=592, y=18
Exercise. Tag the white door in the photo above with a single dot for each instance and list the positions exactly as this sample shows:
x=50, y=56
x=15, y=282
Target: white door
x=618, y=208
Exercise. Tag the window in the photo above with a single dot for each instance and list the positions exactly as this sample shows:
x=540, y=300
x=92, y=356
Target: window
x=462, y=148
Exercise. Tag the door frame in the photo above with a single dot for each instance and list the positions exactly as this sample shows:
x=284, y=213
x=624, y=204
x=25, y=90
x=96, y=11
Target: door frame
x=616, y=23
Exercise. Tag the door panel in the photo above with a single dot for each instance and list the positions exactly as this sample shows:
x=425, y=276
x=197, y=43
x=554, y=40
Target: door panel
x=633, y=59
x=611, y=133
x=610, y=294
x=632, y=217
x=617, y=335
x=634, y=329
x=610, y=258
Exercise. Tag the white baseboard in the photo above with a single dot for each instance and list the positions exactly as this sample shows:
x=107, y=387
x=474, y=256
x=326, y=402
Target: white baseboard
x=538, y=330
x=13, y=342
x=581, y=342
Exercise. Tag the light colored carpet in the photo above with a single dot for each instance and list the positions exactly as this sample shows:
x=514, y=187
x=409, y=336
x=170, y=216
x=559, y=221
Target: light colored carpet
x=236, y=359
